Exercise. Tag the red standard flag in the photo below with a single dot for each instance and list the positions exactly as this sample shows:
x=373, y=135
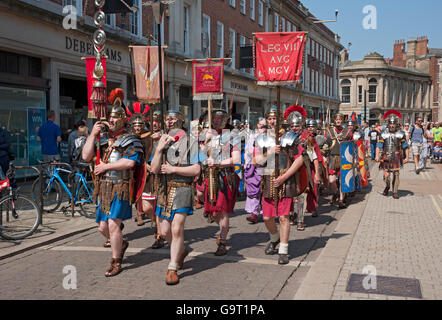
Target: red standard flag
x=147, y=73
x=208, y=80
x=90, y=65
x=279, y=57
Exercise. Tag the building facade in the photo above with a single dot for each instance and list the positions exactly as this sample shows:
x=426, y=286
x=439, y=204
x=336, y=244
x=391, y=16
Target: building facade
x=41, y=66
x=416, y=54
x=371, y=87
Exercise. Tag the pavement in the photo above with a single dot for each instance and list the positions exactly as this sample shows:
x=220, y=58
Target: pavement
x=377, y=238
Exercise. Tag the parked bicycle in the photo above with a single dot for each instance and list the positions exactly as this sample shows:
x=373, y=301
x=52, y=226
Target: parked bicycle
x=78, y=189
x=19, y=215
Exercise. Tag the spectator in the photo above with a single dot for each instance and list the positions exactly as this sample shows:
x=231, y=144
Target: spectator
x=79, y=142
x=49, y=135
x=5, y=143
x=72, y=136
x=374, y=134
x=417, y=135
x=425, y=153
x=366, y=132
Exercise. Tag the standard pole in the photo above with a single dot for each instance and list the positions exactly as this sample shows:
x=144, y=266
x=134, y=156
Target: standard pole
x=277, y=127
x=160, y=65
x=365, y=106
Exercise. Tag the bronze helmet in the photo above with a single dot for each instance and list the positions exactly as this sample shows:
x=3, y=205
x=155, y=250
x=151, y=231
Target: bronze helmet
x=178, y=116
x=119, y=113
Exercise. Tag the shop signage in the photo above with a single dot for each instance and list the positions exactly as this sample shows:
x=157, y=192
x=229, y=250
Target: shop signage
x=239, y=86
x=86, y=48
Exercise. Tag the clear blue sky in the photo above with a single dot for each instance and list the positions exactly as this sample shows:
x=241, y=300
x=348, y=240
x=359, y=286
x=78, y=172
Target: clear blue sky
x=396, y=20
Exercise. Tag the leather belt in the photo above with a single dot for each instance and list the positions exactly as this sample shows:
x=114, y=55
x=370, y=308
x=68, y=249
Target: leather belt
x=180, y=184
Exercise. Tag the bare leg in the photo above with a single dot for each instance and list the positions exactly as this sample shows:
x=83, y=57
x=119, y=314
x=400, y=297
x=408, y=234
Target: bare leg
x=177, y=241
x=116, y=237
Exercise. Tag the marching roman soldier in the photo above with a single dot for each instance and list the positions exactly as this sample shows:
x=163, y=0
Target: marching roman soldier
x=176, y=172
x=278, y=191
x=138, y=117
x=154, y=180
x=116, y=179
x=335, y=135
x=308, y=143
x=389, y=151
x=221, y=181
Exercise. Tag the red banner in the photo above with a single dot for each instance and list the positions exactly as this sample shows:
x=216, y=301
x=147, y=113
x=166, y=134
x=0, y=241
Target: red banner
x=208, y=80
x=147, y=73
x=279, y=57
x=90, y=65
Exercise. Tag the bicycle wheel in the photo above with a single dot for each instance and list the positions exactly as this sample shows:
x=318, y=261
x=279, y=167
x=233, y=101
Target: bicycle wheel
x=19, y=217
x=88, y=207
x=52, y=195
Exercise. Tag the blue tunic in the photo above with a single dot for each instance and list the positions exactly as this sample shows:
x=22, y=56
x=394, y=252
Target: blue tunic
x=119, y=209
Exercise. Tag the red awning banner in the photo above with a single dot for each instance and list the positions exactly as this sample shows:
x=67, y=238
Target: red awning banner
x=90, y=65
x=147, y=75
x=208, y=80
x=279, y=57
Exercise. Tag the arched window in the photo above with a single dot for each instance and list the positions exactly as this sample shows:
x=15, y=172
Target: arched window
x=345, y=90
x=372, y=90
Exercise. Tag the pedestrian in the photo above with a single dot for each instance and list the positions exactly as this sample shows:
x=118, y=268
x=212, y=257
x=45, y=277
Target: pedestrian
x=252, y=178
x=5, y=143
x=417, y=135
x=425, y=153
x=78, y=143
x=175, y=197
x=121, y=152
x=49, y=135
x=436, y=132
x=374, y=135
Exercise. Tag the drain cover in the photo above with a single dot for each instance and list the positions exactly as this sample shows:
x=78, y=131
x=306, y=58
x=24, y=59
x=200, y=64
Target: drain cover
x=391, y=286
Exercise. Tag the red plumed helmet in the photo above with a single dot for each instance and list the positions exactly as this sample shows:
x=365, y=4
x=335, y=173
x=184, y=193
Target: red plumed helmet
x=138, y=108
x=389, y=113
x=294, y=108
x=116, y=93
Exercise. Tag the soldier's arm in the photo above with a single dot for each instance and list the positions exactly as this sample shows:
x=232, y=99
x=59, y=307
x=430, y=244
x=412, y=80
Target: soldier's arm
x=122, y=164
x=296, y=165
x=189, y=171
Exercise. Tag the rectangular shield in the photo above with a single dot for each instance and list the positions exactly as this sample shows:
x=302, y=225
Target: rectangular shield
x=348, y=166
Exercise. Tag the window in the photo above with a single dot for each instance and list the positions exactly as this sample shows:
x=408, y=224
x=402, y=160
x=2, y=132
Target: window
x=78, y=4
x=219, y=40
x=242, y=6
x=282, y=24
x=276, y=22
x=232, y=53
x=289, y=26
x=252, y=10
x=232, y=3
x=260, y=13
x=205, y=36
x=372, y=90
x=360, y=94
x=242, y=43
x=111, y=20
x=186, y=29
x=345, y=96
x=135, y=19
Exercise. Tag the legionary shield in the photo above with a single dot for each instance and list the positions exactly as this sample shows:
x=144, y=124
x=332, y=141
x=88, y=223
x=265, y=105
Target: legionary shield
x=140, y=174
x=348, y=166
x=362, y=167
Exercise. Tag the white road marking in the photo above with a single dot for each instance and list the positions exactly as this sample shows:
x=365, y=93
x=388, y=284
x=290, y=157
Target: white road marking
x=436, y=205
x=195, y=254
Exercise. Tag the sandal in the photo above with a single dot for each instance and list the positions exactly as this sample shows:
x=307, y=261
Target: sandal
x=114, y=269
x=107, y=244
x=334, y=198
x=222, y=250
x=301, y=226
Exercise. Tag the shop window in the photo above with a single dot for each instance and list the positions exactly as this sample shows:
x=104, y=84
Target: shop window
x=346, y=85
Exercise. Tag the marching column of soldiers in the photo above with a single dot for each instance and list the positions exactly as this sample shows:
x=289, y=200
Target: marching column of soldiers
x=150, y=160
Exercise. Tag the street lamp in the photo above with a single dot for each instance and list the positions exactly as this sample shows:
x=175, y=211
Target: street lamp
x=157, y=8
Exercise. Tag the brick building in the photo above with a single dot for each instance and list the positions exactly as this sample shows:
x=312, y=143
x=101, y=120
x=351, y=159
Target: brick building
x=41, y=66
x=415, y=54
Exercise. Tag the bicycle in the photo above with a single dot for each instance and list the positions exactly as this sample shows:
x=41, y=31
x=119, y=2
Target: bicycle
x=80, y=195
x=19, y=215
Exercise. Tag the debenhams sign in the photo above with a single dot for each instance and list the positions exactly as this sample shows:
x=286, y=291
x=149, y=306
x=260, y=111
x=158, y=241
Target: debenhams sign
x=87, y=48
